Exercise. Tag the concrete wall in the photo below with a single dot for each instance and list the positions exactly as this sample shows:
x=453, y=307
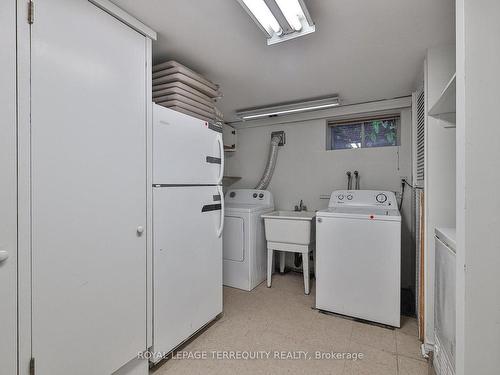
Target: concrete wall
x=306, y=170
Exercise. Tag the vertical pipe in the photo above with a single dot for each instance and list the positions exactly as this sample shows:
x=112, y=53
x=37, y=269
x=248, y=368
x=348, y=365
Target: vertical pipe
x=356, y=184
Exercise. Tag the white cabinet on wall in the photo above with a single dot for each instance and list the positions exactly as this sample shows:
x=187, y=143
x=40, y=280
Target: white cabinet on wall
x=90, y=99
x=445, y=106
x=439, y=165
x=229, y=137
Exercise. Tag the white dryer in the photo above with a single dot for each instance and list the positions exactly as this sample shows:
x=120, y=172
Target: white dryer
x=244, y=241
x=358, y=256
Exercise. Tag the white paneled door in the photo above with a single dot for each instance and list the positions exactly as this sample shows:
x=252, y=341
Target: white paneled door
x=88, y=161
x=8, y=189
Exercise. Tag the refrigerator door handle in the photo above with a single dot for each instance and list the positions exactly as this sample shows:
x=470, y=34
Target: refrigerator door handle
x=221, y=148
x=211, y=207
x=213, y=160
x=221, y=226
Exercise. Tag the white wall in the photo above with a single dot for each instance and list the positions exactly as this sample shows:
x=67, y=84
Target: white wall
x=306, y=170
x=440, y=170
x=478, y=198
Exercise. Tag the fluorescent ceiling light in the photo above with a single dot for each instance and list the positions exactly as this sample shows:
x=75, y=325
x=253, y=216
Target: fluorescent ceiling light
x=263, y=14
x=280, y=19
x=293, y=13
x=286, y=111
x=311, y=105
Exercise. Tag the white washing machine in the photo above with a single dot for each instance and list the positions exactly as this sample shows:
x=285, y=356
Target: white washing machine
x=244, y=241
x=358, y=256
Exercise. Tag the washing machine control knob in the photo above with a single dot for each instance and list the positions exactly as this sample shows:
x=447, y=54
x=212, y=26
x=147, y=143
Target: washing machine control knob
x=381, y=198
x=349, y=197
x=232, y=194
x=261, y=195
x=341, y=197
x=255, y=195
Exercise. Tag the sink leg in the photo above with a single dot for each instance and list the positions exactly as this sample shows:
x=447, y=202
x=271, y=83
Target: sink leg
x=305, y=268
x=270, y=254
x=282, y=261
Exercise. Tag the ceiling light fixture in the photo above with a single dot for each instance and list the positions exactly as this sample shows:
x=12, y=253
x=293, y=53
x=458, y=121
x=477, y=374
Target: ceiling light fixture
x=284, y=109
x=280, y=19
x=262, y=14
x=293, y=13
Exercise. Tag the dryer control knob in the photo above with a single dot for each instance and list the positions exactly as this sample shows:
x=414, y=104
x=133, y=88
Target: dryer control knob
x=255, y=195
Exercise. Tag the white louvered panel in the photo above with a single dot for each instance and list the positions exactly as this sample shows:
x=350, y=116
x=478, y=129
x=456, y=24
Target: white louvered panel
x=419, y=119
x=420, y=137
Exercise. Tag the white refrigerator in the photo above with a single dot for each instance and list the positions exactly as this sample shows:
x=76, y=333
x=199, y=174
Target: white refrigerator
x=188, y=218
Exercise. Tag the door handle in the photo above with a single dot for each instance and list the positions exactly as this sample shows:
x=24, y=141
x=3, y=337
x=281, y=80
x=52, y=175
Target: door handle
x=221, y=149
x=4, y=254
x=213, y=160
x=221, y=225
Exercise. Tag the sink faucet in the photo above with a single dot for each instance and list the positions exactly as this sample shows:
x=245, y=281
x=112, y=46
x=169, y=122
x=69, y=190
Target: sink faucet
x=301, y=207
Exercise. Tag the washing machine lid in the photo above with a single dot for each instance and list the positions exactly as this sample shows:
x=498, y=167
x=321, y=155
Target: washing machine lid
x=245, y=208
x=364, y=212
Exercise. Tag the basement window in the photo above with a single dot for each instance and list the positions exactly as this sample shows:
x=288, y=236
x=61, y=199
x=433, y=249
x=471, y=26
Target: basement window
x=363, y=133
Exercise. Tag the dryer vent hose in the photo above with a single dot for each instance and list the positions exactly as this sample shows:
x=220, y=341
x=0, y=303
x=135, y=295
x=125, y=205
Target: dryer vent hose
x=271, y=163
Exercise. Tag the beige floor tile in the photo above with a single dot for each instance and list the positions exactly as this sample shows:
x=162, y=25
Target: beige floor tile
x=281, y=319
x=377, y=337
x=331, y=324
x=410, y=366
x=373, y=362
x=409, y=326
x=290, y=282
x=183, y=367
x=408, y=346
x=327, y=333
x=308, y=367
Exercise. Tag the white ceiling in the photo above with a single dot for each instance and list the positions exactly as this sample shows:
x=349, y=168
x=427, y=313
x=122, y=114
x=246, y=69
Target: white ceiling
x=362, y=49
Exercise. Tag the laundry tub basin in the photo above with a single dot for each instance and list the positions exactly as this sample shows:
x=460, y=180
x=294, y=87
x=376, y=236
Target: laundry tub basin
x=294, y=227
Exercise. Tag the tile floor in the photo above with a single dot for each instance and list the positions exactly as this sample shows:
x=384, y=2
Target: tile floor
x=281, y=319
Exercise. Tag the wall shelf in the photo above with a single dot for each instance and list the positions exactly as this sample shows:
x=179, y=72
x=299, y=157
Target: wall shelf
x=445, y=107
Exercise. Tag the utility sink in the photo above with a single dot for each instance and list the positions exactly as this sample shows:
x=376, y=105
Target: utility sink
x=293, y=227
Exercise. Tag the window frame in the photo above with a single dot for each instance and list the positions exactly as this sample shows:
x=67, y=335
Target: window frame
x=330, y=144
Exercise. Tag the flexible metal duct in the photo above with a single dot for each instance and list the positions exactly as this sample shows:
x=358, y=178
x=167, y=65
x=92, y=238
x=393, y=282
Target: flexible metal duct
x=271, y=163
